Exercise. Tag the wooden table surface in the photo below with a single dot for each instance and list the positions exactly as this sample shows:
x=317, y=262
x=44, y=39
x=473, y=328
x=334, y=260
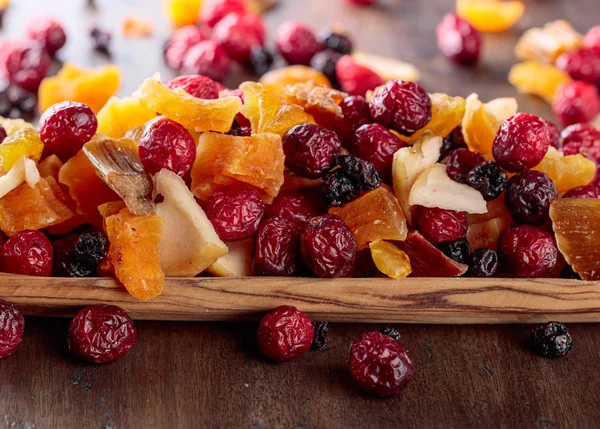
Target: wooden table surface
x=190, y=375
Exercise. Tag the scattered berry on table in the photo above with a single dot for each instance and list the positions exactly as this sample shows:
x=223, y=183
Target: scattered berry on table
x=354, y=78
x=460, y=162
x=181, y=42
x=27, y=253
x=239, y=34
x=338, y=188
x=483, y=263
x=12, y=326
x=235, y=213
x=576, y=102
x=261, y=60
x=207, y=58
x=27, y=64
x=336, y=41
x=376, y=144
x=581, y=64
x=101, y=38
x=48, y=32
x=321, y=338
x=527, y=251
x=310, y=150
x=326, y=62
x=489, y=179
x=362, y=172
x=452, y=141
x=285, y=333
x=214, y=11
x=197, y=85
x=277, y=248
x=551, y=340
x=458, y=250
x=528, y=197
x=392, y=333
x=296, y=42
x=458, y=40
x=440, y=225
x=582, y=138
x=588, y=191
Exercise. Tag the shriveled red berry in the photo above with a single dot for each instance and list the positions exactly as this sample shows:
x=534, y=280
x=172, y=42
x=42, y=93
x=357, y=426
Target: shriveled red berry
x=12, y=326
x=376, y=144
x=241, y=126
x=310, y=150
x=355, y=109
x=26, y=64
x=207, y=58
x=362, y=2
x=328, y=247
x=48, y=32
x=521, y=142
x=2, y=133
x=401, y=106
x=576, y=102
x=239, y=33
x=28, y=253
x=285, y=333
x=587, y=191
x=296, y=42
x=65, y=127
x=527, y=251
x=528, y=197
x=295, y=206
x=214, y=11
x=235, y=213
x=554, y=134
x=277, y=248
x=581, y=64
x=582, y=138
x=458, y=40
x=101, y=333
x=592, y=39
x=440, y=225
x=167, y=144
x=380, y=365
x=181, y=42
x=459, y=162
x=197, y=85
x=355, y=79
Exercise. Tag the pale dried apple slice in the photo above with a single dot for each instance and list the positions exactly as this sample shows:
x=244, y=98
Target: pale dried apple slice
x=387, y=68
x=237, y=262
x=24, y=170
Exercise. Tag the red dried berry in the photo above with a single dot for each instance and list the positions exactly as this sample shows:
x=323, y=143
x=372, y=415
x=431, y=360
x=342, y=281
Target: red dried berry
x=458, y=40
x=239, y=34
x=12, y=326
x=376, y=144
x=401, y=106
x=181, y=42
x=326, y=63
x=587, y=191
x=48, y=32
x=521, y=142
x=214, y=11
x=362, y=2
x=440, y=225
x=197, y=85
x=3, y=134
x=28, y=253
x=527, y=251
x=528, y=197
x=576, y=102
x=167, y=144
x=235, y=213
x=459, y=162
x=295, y=206
x=592, y=39
x=207, y=58
x=581, y=64
x=296, y=42
x=582, y=138
x=310, y=150
x=554, y=134
x=241, y=126
x=328, y=247
x=380, y=365
x=26, y=64
x=356, y=114
x=285, y=333
x=364, y=266
x=354, y=78
x=277, y=248
x=65, y=127
x=101, y=333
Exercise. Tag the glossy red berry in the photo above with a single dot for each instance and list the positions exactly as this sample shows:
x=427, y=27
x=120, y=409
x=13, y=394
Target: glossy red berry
x=581, y=64
x=592, y=39
x=528, y=197
x=582, y=138
x=440, y=225
x=101, y=333
x=521, y=142
x=380, y=364
x=296, y=42
x=65, y=127
x=277, y=248
x=28, y=253
x=26, y=64
x=285, y=333
x=576, y=102
x=235, y=213
x=12, y=326
x=587, y=191
x=214, y=11
x=458, y=40
x=48, y=32
x=207, y=58
x=197, y=85
x=356, y=79
x=181, y=42
x=554, y=134
x=310, y=150
x=167, y=144
x=239, y=34
x=328, y=247
x=376, y=144
x=295, y=206
x=460, y=162
x=527, y=251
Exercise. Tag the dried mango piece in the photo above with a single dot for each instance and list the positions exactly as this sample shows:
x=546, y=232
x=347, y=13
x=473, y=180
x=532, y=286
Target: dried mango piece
x=317, y=100
x=182, y=12
x=23, y=142
x=490, y=15
x=538, y=79
x=50, y=166
x=567, y=172
x=544, y=45
x=120, y=115
x=390, y=260
x=276, y=80
x=133, y=26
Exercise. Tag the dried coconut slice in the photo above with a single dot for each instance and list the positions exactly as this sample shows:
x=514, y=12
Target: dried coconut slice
x=24, y=170
x=387, y=68
x=237, y=262
x=544, y=45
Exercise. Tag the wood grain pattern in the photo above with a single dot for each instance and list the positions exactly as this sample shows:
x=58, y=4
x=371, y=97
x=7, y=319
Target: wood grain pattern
x=412, y=300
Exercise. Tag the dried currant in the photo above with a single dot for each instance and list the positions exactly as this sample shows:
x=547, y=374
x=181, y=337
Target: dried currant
x=527, y=251
x=321, y=338
x=261, y=60
x=551, y=340
x=452, y=141
x=235, y=213
x=326, y=62
x=101, y=38
x=28, y=253
x=392, y=333
x=483, y=263
x=440, y=225
x=310, y=150
x=12, y=326
x=458, y=250
x=338, y=188
x=277, y=248
x=528, y=197
x=489, y=179
x=285, y=333
x=362, y=172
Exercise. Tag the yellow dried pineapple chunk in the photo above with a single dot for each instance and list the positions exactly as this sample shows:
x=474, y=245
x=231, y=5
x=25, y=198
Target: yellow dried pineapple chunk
x=23, y=142
x=567, y=172
x=545, y=44
x=120, y=115
x=538, y=79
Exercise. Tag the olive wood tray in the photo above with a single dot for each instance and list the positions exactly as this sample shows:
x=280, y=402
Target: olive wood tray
x=411, y=300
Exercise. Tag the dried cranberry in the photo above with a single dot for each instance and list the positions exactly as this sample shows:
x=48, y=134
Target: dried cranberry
x=310, y=150
x=362, y=2
x=554, y=134
x=239, y=33
x=521, y=142
x=401, y=106
x=440, y=225
x=355, y=79
x=458, y=40
x=261, y=60
x=338, y=188
x=527, y=251
x=576, y=102
x=328, y=247
x=326, y=62
x=241, y=126
x=296, y=42
x=65, y=127
x=458, y=250
x=28, y=253
x=452, y=141
x=26, y=64
x=207, y=58
x=2, y=133
x=459, y=162
x=581, y=64
x=365, y=266
x=588, y=191
x=356, y=114
x=489, y=179
x=483, y=263
x=214, y=11
x=376, y=144
x=380, y=365
x=48, y=32
x=582, y=138
x=101, y=333
x=235, y=213
x=528, y=197
x=12, y=326
x=321, y=337
x=294, y=206
x=101, y=38
x=181, y=42
x=338, y=42
x=285, y=333
x=592, y=39
x=197, y=85
x=551, y=340
x=167, y=144
x=277, y=248
x=362, y=172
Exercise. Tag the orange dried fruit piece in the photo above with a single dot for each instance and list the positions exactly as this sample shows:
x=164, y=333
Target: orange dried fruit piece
x=120, y=115
x=134, y=253
x=544, y=45
x=576, y=226
x=490, y=15
x=23, y=142
x=193, y=113
x=89, y=86
x=538, y=79
x=111, y=208
x=133, y=26
x=62, y=194
x=222, y=160
x=182, y=12
x=317, y=100
x=50, y=166
x=567, y=172
x=276, y=80
x=375, y=215
x=12, y=125
x=390, y=260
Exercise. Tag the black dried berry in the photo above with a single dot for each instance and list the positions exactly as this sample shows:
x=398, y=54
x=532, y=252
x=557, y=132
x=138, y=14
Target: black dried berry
x=489, y=179
x=363, y=173
x=392, y=333
x=458, y=250
x=338, y=42
x=261, y=60
x=551, y=340
x=91, y=248
x=321, y=338
x=484, y=263
x=338, y=188
x=325, y=62
x=454, y=140
x=100, y=39
x=528, y=197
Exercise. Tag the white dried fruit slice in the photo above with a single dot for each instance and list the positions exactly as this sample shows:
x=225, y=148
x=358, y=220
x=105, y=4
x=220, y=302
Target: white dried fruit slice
x=237, y=262
x=24, y=170
x=387, y=68
x=433, y=188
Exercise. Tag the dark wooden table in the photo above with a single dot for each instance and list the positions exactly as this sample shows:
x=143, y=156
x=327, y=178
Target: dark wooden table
x=210, y=375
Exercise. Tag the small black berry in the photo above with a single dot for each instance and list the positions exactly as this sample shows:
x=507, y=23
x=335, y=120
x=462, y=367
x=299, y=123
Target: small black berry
x=338, y=42
x=489, y=179
x=100, y=39
x=528, y=197
x=91, y=248
x=339, y=188
x=551, y=340
x=321, y=338
x=392, y=333
x=484, y=263
x=261, y=60
x=454, y=140
x=362, y=172
x=325, y=62
x=458, y=250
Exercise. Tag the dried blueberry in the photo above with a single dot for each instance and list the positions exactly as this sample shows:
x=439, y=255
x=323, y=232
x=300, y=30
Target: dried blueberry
x=528, y=197
x=261, y=60
x=489, y=179
x=100, y=39
x=321, y=337
x=458, y=250
x=338, y=42
x=484, y=263
x=392, y=333
x=91, y=247
x=551, y=340
x=339, y=188
x=362, y=172
x=325, y=62
x=454, y=140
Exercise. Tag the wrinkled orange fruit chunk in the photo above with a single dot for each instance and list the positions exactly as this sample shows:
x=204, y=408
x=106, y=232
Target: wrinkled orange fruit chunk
x=376, y=215
x=223, y=160
x=490, y=15
x=390, y=260
x=89, y=86
x=62, y=194
x=182, y=12
x=537, y=79
x=567, y=172
x=277, y=80
x=23, y=142
x=317, y=100
x=50, y=166
x=120, y=115
x=194, y=113
x=134, y=253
